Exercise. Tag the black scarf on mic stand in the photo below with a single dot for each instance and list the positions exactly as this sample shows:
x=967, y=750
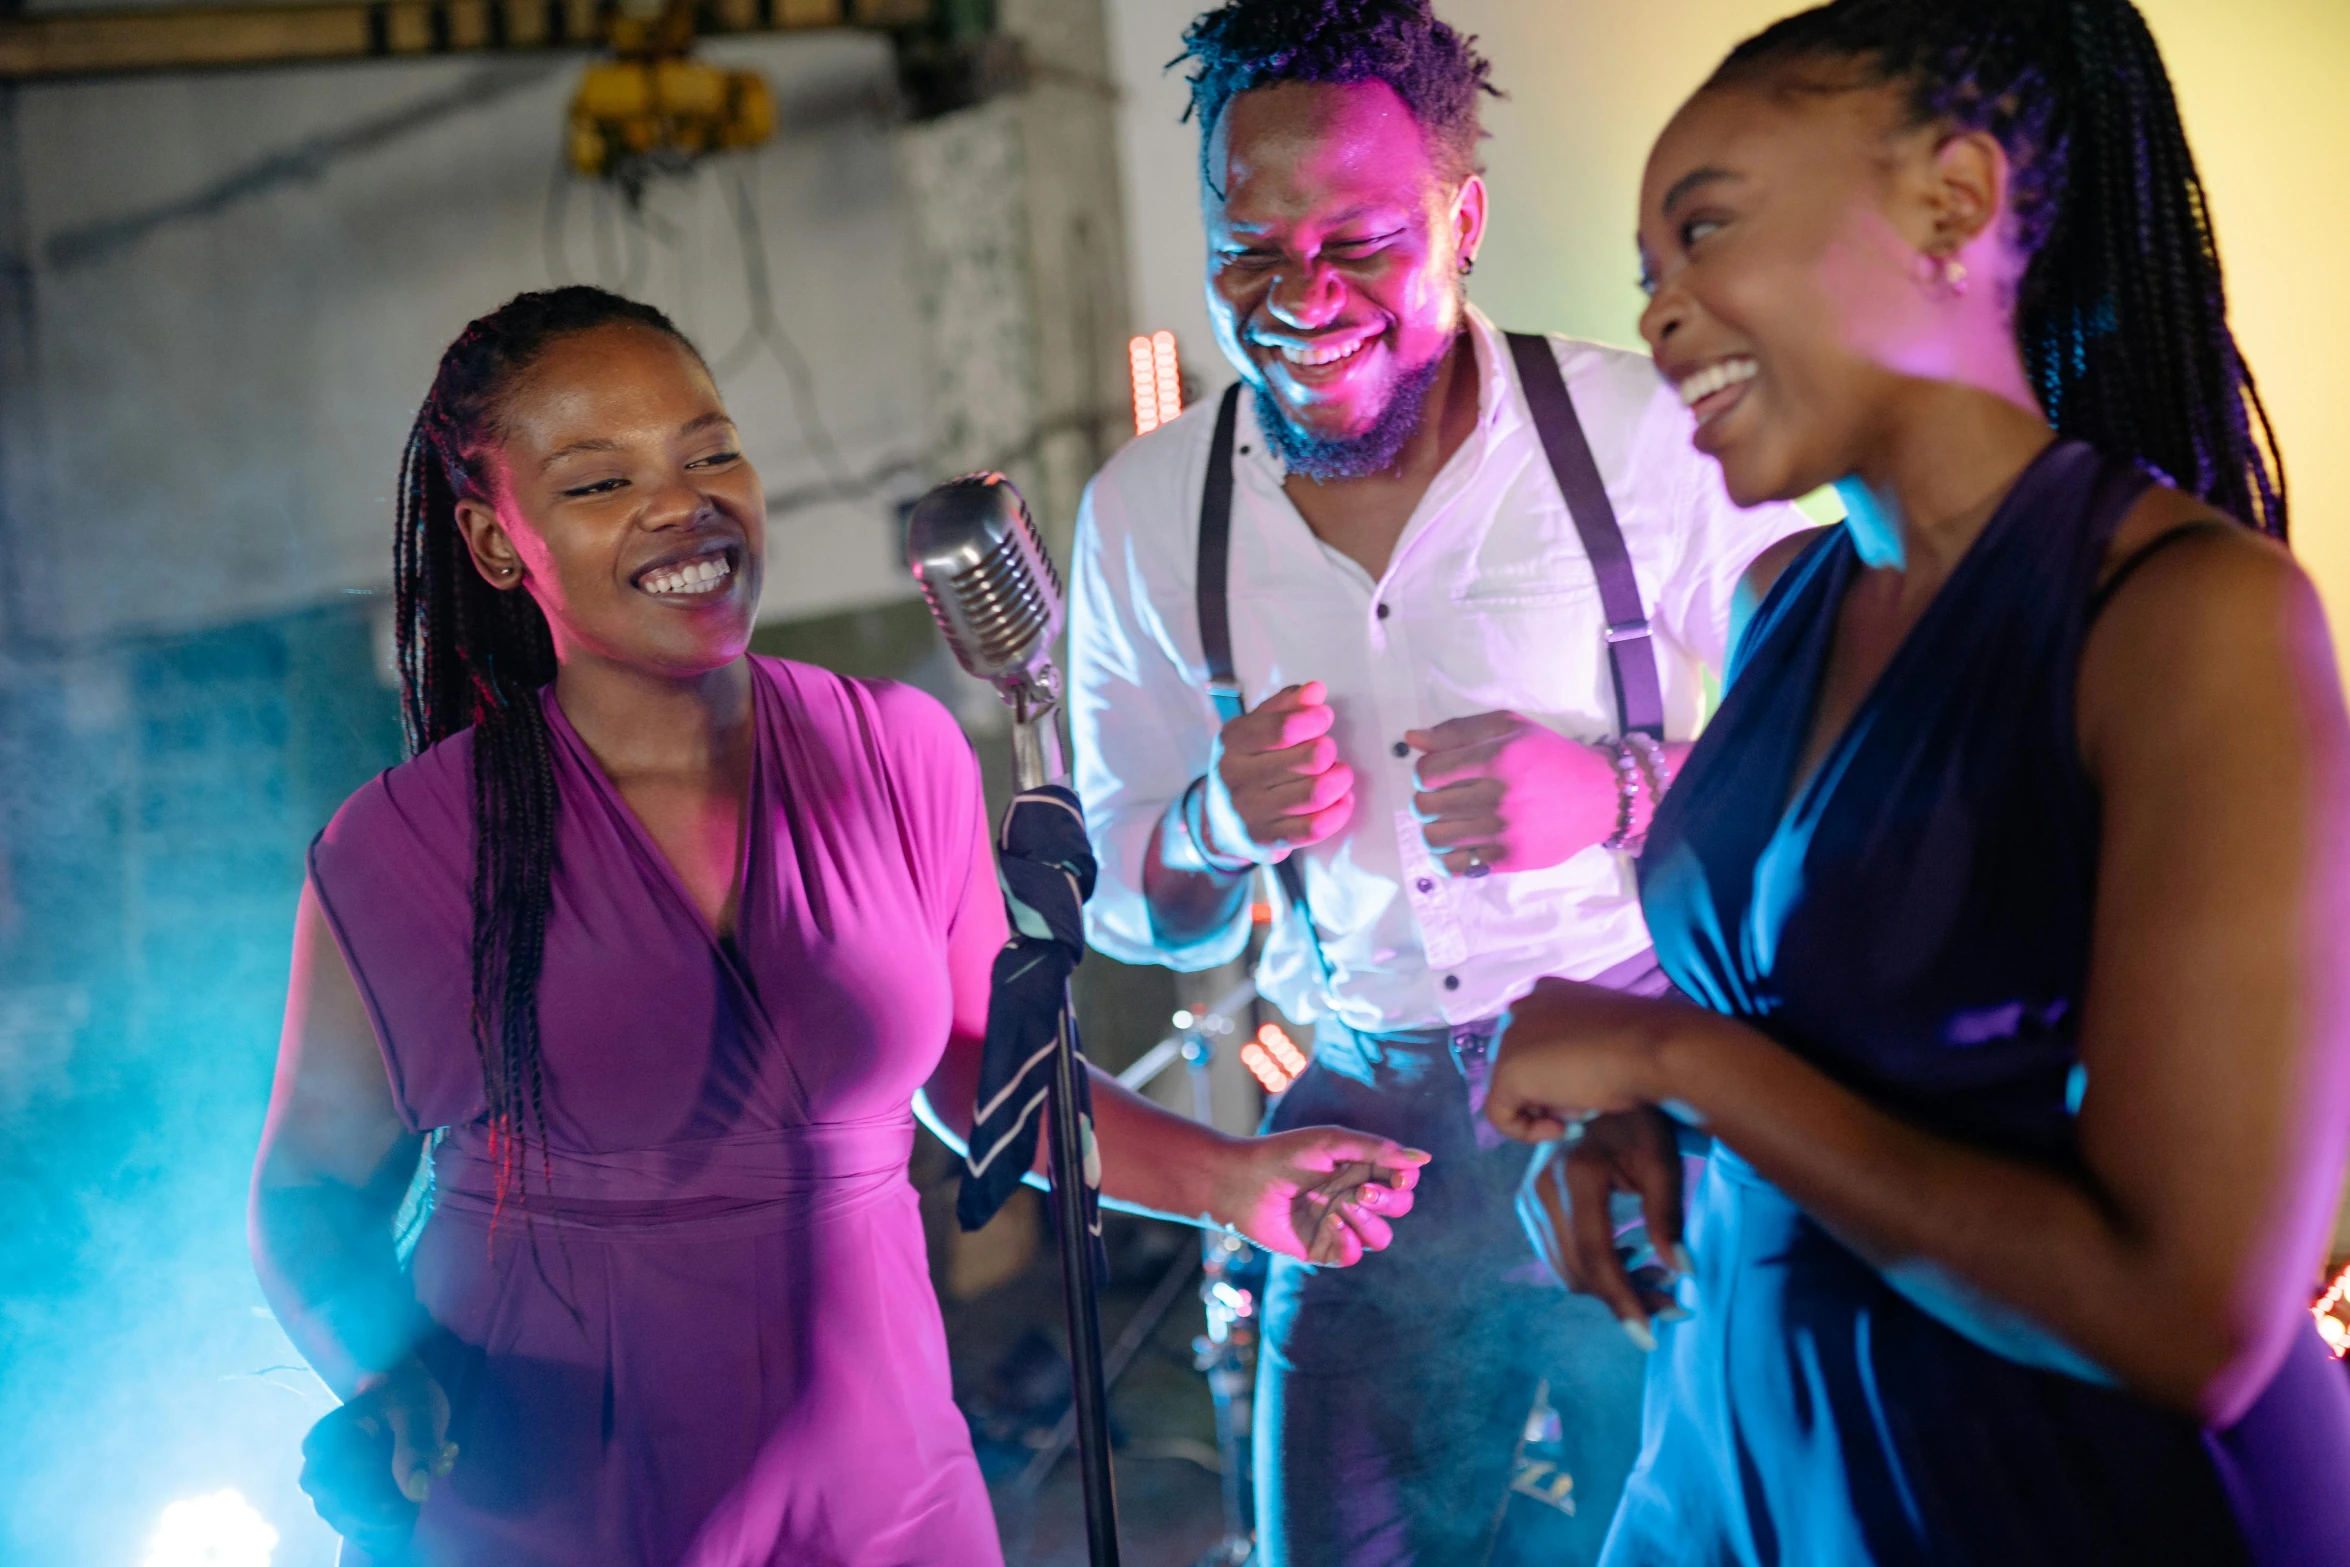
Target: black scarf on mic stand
x=1046, y=867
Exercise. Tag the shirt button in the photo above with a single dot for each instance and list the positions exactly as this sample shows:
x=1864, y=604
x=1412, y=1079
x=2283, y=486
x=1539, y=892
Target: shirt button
x=1452, y=982
x=1382, y=611
x=1401, y=748
x=1425, y=884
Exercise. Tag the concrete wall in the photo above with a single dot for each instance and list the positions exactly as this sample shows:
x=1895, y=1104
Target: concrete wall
x=1159, y=159
x=1021, y=238
x=240, y=283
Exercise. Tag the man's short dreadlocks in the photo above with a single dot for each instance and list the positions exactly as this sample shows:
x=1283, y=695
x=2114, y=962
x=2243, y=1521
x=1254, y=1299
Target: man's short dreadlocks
x=1256, y=43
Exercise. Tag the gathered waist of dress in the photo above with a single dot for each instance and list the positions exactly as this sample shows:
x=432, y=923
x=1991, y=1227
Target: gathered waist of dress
x=778, y=1178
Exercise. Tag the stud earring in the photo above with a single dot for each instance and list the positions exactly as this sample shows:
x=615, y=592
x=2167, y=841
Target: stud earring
x=1468, y=265
x=1954, y=276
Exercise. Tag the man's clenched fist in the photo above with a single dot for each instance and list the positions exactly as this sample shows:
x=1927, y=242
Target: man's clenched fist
x=1276, y=782
x=1510, y=793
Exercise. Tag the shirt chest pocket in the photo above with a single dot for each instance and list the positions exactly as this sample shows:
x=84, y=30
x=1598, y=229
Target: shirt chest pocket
x=1550, y=578
x=1530, y=638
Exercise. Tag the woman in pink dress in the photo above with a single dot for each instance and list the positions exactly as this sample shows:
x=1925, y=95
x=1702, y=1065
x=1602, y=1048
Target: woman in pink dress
x=668, y=938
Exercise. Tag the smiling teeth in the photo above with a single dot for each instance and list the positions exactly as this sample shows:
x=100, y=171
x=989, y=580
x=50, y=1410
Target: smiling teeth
x=1308, y=358
x=699, y=576
x=1714, y=377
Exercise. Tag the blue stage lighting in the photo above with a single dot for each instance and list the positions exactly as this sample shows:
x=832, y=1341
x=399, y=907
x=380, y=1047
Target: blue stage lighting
x=218, y=1530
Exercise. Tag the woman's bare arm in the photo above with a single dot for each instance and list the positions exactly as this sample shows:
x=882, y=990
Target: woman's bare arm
x=1159, y=1163
x=1152, y=1159
x=334, y=1164
x=2216, y=1028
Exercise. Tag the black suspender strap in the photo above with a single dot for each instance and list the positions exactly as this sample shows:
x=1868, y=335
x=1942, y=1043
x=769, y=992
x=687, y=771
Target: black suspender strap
x=1215, y=556
x=1215, y=631
x=1640, y=703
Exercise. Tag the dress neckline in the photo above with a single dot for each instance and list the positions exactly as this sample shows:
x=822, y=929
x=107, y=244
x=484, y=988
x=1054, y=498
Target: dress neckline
x=727, y=943
x=1802, y=798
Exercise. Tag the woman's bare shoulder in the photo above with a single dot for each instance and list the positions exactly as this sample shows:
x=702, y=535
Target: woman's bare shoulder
x=1763, y=573
x=2204, y=622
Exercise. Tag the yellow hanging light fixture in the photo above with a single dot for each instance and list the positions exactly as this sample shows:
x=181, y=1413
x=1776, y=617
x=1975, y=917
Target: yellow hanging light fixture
x=654, y=109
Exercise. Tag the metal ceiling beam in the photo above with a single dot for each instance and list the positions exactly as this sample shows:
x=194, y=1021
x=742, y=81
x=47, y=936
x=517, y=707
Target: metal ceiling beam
x=51, y=45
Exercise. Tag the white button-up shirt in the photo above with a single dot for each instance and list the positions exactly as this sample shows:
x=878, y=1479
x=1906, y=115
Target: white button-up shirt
x=1488, y=603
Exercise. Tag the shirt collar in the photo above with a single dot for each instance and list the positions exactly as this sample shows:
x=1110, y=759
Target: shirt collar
x=1497, y=378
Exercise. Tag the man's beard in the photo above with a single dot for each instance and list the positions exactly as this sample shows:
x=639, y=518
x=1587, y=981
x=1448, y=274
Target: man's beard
x=1323, y=458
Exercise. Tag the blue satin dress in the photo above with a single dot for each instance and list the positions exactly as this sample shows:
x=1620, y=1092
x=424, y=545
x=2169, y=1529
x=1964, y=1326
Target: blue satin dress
x=1914, y=920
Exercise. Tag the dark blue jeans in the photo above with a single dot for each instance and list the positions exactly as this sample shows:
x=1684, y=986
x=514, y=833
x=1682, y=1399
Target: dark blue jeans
x=1392, y=1396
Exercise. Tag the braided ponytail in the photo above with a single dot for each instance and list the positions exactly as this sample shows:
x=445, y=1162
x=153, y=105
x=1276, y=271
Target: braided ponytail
x=471, y=655
x=2122, y=312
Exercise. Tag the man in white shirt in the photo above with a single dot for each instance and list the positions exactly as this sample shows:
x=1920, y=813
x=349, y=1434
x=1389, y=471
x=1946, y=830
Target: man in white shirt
x=1439, y=748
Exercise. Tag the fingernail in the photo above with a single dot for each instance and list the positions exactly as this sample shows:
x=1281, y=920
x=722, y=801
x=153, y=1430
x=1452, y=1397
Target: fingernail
x=1637, y=1331
x=1674, y=1314
x=417, y=1486
x=1682, y=1260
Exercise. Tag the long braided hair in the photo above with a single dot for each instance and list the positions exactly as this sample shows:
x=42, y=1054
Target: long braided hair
x=472, y=655
x=2121, y=314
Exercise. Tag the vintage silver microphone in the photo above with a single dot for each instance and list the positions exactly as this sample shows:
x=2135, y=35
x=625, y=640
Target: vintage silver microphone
x=975, y=550
x=997, y=600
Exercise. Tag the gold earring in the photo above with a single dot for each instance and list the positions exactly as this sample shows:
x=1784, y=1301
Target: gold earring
x=1954, y=276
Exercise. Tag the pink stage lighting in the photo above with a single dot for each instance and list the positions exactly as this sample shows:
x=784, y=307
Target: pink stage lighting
x=1158, y=380
x=1273, y=1058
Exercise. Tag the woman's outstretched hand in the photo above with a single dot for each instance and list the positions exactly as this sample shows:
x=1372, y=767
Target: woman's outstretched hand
x=1321, y=1194
x=369, y=1465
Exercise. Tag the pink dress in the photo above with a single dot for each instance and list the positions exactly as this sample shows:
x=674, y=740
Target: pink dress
x=726, y=1349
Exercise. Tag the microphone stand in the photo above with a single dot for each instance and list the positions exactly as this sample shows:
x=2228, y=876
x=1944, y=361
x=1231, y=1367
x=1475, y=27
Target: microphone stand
x=1037, y=760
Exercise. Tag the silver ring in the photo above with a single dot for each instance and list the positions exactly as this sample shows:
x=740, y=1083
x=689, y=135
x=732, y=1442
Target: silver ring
x=1476, y=867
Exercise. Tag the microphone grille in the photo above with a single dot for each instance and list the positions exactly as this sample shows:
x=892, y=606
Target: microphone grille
x=984, y=570
x=1002, y=606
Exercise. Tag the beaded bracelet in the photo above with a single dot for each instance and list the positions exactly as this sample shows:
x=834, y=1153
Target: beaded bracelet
x=1627, y=768
x=1655, y=764
x=1638, y=760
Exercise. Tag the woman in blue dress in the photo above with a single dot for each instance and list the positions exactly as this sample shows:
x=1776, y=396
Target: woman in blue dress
x=2013, y=877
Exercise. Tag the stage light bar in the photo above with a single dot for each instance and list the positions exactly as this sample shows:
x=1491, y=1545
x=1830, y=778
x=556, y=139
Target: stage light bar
x=2330, y=1327
x=1261, y=1065
x=1157, y=372
x=1263, y=1068
x=221, y=1529
x=1282, y=1048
